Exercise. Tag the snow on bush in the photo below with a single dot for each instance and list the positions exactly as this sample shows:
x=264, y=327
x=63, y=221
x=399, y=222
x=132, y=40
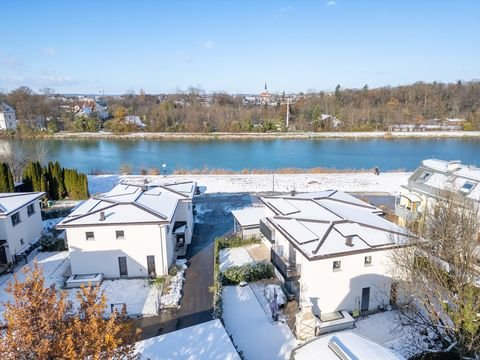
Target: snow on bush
x=172, y=298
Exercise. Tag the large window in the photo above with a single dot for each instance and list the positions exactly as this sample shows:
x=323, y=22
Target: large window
x=31, y=209
x=467, y=187
x=89, y=235
x=16, y=219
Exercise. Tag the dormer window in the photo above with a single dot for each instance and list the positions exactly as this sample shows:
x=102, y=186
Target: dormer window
x=425, y=175
x=467, y=187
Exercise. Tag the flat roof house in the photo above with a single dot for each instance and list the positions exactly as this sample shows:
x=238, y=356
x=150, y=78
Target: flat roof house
x=20, y=224
x=135, y=230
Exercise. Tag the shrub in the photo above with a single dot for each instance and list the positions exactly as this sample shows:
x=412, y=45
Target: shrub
x=125, y=169
x=50, y=243
x=248, y=272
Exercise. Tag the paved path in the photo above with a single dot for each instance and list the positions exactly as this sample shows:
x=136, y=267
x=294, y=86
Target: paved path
x=214, y=219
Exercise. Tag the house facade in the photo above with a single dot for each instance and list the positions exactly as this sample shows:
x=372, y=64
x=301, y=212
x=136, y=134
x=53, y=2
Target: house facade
x=135, y=230
x=8, y=119
x=20, y=224
x=331, y=250
x=430, y=180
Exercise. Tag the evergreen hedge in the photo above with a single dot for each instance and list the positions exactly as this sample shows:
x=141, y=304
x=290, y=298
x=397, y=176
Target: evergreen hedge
x=6, y=179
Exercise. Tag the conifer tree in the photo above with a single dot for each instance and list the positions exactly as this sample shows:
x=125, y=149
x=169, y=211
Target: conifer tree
x=6, y=179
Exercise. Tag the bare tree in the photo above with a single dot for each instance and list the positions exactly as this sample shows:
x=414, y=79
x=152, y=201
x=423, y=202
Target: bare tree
x=438, y=274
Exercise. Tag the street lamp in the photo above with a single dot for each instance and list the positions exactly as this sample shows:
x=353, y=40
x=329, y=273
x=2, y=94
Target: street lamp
x=164, y=166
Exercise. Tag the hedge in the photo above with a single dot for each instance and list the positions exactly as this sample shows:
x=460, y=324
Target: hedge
x=248, y=273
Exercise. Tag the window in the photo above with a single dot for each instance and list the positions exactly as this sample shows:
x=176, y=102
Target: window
x=89, y=235
x=21, y=242
x=16, y=219
x=467, y=187
x=425, y=175
x=119, y=234
x=337, y=265
x=368, y=260
x=30, y=209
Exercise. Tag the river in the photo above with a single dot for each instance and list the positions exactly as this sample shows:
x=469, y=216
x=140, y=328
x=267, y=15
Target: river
x=107, y=155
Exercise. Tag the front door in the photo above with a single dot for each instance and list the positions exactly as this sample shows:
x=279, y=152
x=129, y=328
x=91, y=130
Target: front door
x=3, y=255
x=365, y=299
x=122, y=265
x=151, y=266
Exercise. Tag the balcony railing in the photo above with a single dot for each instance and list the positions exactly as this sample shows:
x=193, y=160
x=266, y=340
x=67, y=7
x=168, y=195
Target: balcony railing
x=288, y=269
x=266, y=231
x=405, y=213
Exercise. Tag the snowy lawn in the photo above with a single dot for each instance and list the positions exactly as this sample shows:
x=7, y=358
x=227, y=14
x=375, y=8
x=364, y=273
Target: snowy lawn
x=207, y=341
x=252, y=331
x=353, y=182
x=234, y=257
x=137, y=294
x=383, y=328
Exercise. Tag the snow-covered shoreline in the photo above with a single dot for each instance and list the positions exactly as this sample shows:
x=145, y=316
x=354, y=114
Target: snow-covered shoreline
x=259, y=183
x=273, y=135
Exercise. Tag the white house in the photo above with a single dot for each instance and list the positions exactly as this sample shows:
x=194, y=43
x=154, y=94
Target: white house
x=331, y=250
x=132, y=231
x=428, y=182
x=20, y=224
x=8, y=120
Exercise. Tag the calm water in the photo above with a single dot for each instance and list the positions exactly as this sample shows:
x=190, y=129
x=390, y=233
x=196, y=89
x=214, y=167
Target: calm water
x=108, y=155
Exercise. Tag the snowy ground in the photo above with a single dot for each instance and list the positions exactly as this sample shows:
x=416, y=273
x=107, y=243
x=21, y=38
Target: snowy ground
x=352, y=182
x=251, y=330
x=137, y=294
x=383, y=328
x=234, y=257
x=207, y=341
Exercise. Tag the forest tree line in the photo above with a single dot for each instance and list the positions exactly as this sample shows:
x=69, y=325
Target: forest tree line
x=358, y=109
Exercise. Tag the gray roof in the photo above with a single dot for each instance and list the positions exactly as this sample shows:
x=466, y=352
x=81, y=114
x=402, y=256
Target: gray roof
x=131, y=203
x=4, y=107
x=319, y=224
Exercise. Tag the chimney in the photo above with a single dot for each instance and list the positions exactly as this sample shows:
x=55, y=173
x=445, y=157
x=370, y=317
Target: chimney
x=349, y=241
x=102, y=215
x=144, y=188
x=293, y=193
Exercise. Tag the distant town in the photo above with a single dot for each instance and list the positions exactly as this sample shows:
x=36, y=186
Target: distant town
x=416, y=107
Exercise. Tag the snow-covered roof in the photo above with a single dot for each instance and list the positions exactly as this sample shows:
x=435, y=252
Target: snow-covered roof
x=11, y=202
x=131, y=203
x=347, y=342
x=446, y=175
x=249, y=216
x=324, y=221
x=200, y=342
x=5, y=107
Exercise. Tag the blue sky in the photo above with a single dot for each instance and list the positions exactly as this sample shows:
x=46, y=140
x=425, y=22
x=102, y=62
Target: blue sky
x=235, y=46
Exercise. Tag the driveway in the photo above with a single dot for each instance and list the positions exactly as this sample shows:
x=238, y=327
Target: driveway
x=213, y=219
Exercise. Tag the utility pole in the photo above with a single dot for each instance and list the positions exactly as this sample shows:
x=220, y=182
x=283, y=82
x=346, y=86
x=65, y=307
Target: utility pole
x=288, y=111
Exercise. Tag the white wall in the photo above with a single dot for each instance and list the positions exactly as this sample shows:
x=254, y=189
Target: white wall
x=331, y=290
x=29, y=229
x=101, y=255
x=184, y=213
x=8, y=120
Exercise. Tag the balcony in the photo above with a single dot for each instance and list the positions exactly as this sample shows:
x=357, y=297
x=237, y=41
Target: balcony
x=406, y=213
x=289, y=270
x=266, y=231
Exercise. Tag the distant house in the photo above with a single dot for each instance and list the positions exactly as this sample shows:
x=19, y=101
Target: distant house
x=331, y=250
x=8, y=119
x=89, y=107
x=430, y=179
x=135, y=120
x=132, y=231
x=20, y=224
x=331, y=121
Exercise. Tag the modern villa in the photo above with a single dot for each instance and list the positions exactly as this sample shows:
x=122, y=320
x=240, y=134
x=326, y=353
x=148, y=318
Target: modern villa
x=135, y=230
x=331, y=250
x=20, y=224
x=430, y=179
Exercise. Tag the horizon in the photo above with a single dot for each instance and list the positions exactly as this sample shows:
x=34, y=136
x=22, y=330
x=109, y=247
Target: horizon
x=235, y=47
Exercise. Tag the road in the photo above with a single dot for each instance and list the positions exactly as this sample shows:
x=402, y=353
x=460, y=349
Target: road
x=213, y=219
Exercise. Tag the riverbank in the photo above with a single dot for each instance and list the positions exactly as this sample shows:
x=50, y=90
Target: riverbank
x=260, y=183
x=273, y=135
